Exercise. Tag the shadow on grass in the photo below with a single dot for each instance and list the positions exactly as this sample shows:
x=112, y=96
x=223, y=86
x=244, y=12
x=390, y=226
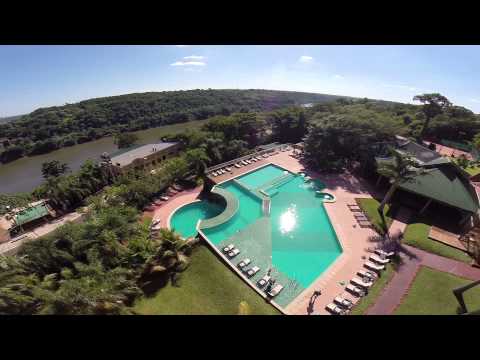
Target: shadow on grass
x=393, y=242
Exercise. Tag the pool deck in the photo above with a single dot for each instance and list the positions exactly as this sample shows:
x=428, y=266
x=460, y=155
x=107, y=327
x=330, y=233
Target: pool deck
x=354, y=240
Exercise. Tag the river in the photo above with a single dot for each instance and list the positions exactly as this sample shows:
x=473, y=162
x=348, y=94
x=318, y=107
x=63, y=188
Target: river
x=24, y=174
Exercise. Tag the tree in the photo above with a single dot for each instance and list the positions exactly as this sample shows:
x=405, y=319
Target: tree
x=399, y=169
x=125, y=140
x=288, y=125
x=170, y=257
x=434, y=104
x=53, y=168
x=197, y=160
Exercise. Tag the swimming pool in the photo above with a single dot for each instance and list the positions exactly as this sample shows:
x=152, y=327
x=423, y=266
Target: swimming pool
x=184, y=219
x=293, y=236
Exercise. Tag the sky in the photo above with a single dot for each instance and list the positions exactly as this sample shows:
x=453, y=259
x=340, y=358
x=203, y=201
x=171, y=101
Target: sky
x=40, y=76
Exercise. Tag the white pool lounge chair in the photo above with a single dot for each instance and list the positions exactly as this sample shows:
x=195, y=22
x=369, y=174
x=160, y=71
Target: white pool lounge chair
x=378, y=260
x=237, y=166
x=164, y=198
x=244, y=262
x=276, y=290
x=258, y=158
x=364, y=223
x=228, y=248
x=265, y=155
x=361, y=283
x=382, y=253
x=214, y=174
x=346, y=303
x=264, y=280
x=233, y=253
x=228, y=169
x=244, y=162
x=334, y=309
x=251, y=272
x=355, y=290
x=374, y=267
x=367, y=274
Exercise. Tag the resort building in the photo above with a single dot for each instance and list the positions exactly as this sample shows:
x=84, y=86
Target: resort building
x=441, y=183
x=143, y=157
x=19, y=220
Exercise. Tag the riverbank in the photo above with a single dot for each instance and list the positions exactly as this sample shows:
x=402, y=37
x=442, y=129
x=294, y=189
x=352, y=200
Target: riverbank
x=24, y=174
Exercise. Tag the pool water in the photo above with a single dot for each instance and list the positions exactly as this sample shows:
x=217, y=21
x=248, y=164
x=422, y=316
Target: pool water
x=257, y=178
x=304, y=243
x=184, y=220
x=250, y=209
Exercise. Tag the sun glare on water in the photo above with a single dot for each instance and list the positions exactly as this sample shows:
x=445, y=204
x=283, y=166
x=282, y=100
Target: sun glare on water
x=288, y=220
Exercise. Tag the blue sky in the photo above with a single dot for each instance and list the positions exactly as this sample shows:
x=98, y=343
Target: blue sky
x=38, y=76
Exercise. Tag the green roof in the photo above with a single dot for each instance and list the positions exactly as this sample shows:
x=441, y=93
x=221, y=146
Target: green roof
x=447, y=185
x=30, y=214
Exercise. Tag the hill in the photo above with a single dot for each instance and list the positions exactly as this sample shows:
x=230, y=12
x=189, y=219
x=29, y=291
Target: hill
x=7, y=119
x=47, y=129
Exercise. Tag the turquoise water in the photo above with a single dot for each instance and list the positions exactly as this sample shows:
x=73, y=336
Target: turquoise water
x=184, y=220
x=250, y=209
x=261, y=176
x=304, y=243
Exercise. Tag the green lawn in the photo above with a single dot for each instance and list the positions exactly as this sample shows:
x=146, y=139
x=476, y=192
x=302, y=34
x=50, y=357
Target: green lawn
x=431, y=294
x=416, y=234
x=207, y=287
x=369, y=207
x=362, y=306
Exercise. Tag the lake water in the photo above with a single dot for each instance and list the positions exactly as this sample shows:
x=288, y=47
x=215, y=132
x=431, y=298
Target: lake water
x=25, y=174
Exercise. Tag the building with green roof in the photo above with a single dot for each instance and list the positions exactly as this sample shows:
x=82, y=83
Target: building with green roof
x=16, y=221
x=442, y=181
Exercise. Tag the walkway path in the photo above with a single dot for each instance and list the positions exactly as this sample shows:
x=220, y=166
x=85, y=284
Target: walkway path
x=413, y=258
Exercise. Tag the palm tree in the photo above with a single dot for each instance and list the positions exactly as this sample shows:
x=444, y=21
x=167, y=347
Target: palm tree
x=171, y=255
x=400, y=169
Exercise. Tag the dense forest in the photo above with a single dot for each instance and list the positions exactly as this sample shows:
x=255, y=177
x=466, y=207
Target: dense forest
x=51, y=128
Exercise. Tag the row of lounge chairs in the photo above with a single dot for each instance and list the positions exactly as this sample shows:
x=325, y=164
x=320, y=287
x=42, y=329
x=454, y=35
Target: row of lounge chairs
x=232, y=251
x=228, y=169
x=360, y=284
x=360, y=217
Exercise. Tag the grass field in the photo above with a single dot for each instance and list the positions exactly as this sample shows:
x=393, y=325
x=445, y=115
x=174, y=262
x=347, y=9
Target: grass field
x=369, y=207
x=416, y=234
x=207, y=287
x=431, y=294
x=362, y=306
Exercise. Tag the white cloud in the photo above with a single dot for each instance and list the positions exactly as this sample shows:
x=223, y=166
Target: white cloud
x=305, y=59
x=338, y=77
x=188, y=63
x=181, y=46
x=403, y=87
x=477, y=101
x=194, y=57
